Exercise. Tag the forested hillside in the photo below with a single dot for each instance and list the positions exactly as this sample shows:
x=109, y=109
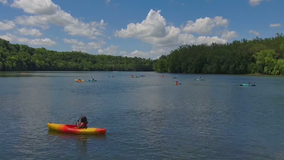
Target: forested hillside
x=15, y=57
x=264, y=56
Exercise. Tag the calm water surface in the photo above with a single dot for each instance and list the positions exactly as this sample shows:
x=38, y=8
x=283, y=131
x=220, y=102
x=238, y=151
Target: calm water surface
x=146, y=118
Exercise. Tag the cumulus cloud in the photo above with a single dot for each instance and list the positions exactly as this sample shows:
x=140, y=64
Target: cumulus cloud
x=205, y=25
x=72, y=41
x=164, y=37
x=4, y=1
x=154, y=30
x=46, y=13
x=7, y=25
x=135, y=53
x=229, y=34
x=154, y=53
x=111, y=50
x=154, y=25
x=34, y=42
x=29, y=32
x=254, y=32
x=42, y=7
x=256, y=2
x=275, y=25
x=84, y=47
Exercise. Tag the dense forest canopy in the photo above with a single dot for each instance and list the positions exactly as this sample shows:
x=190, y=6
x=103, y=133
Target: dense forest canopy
x=264, y=56
x=15, y=57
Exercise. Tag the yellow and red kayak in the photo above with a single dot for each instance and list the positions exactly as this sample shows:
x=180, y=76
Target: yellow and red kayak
x=77, y=80
x=69, y=128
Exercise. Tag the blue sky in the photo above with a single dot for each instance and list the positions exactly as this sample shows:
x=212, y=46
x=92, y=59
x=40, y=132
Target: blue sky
x=141, y=28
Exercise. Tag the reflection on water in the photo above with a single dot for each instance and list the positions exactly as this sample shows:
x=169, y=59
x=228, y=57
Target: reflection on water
x=80, y=142
x=80, y=137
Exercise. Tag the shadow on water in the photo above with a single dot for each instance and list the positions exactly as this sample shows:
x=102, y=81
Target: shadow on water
x=16, y=74
x=8, y=74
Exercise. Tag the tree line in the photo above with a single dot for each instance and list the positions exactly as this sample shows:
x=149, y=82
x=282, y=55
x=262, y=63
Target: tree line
x=263, y=56
x=259, y=55
x=16, y=57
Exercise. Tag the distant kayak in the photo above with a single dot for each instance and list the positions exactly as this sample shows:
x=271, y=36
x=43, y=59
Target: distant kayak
x=245, y=84
x=199, y=79
x=77, y=80
x=92, y=80
x=68, y=128
x=177, y=83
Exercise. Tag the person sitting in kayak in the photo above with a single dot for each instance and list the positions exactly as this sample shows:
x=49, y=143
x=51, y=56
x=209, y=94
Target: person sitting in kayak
x=83, y=123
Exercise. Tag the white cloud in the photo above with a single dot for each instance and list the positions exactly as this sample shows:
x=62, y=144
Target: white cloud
x=209, y=40
x=164, y=37
x=256, y=2
x=39, y=7
x=84, y=47
x=30, y=32
x=229, y=35
x=35, y=42
x=154, y=53
x=7, y=25
x=91, y=30
x=107, y=1
x=157, y=52
x=4, y=1
x=154, y=25
x=275, y=25
x=37, y=21
x=254, y=32
x=137, y=53
x=155, y=31
x=73, y=41
x=111, y=50
x=49, y=13
x=205, y=25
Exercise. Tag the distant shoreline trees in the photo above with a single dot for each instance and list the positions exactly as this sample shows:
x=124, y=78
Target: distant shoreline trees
x=15, y=57
x=256, y=56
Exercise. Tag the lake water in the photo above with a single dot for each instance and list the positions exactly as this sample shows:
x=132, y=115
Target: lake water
x=146, y=118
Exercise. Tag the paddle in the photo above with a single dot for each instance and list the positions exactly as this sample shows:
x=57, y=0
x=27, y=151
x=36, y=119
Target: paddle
x=78, y=121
